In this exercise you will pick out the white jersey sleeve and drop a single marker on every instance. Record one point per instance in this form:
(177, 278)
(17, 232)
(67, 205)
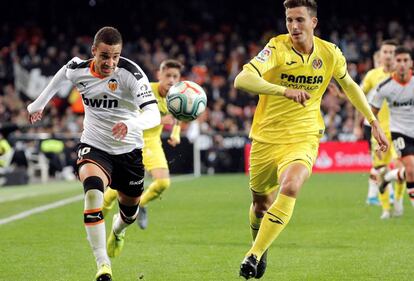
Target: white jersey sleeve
(145, 100)
(48, 93)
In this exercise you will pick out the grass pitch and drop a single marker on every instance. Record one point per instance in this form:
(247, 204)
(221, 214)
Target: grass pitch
(200, 231)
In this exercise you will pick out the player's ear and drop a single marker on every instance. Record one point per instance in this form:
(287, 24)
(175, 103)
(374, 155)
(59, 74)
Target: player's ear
(158, 74)
(314, 22)
(93, 50)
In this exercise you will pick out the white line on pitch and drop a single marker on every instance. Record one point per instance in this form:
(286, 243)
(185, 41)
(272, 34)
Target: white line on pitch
(64, 202)
(41, 209)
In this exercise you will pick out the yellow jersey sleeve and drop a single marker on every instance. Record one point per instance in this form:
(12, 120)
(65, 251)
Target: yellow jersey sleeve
(265, 60)
(340, 68)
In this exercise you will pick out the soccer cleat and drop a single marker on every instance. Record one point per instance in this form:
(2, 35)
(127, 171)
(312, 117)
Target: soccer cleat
(115, 242)
(373, 201)
(104, 273)
(261, 266)
(248, 267)
(142, 219)
(398, 208)
(385, 215)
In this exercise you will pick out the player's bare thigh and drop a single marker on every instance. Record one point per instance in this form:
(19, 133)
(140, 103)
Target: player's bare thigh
(90, 170)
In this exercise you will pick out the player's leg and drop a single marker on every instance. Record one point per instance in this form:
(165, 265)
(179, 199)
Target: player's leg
(263, 185)
(408, 162)
(128, 179)
(156, 163)
(372, 196)
(400, 186)
(295, 167)
(110, 196)
(128, 211)
(160, 183)
(94, 180)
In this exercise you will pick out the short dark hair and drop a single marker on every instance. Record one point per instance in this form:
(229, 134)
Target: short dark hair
(402, 50)
(169, 63)
(391, 42)
(108, 35)
(310, 4)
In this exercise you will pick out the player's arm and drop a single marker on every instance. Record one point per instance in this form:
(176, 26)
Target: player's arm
(35, 109)
(149, 116)
(249, 80)
(175, 136)
(359, 118)
(358, 99)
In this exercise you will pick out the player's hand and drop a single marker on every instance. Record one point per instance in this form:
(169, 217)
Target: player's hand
(175, 137)
(173, 141)
(34, 117)
(379, 136)
(119, 130)
(298, 96)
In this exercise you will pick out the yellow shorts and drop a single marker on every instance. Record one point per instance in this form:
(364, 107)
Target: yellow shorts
(153, 155)
(267, 162)
(386, 157)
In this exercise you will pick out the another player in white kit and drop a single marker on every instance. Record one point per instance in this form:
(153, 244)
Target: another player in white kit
(113, 90)
(398, 91)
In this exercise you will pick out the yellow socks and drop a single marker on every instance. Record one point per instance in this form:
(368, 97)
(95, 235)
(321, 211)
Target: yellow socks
(254, 222)
(399, 188)
(385, 199)
(273, 222)
(154, 191)
(109, 200)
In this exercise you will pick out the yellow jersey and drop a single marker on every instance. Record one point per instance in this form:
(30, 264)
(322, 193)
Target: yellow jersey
(372, 79)
(281, 120)
(155, 133)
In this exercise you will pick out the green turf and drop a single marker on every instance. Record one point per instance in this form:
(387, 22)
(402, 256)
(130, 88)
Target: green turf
(199, 231)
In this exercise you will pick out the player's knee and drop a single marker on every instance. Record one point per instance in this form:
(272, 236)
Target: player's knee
(93, 182)
(128, 213)
(163, 184)
(291, 187)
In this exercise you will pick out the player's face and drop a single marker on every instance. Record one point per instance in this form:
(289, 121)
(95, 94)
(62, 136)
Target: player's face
(387, 54)
(167, 78)
(403, 64)
(300, 25)
(106, 58)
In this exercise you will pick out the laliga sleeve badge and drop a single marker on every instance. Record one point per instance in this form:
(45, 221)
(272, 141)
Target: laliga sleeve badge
(264, 55)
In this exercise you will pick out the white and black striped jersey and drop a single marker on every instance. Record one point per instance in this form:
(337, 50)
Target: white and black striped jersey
(400, 99)
(107, 101)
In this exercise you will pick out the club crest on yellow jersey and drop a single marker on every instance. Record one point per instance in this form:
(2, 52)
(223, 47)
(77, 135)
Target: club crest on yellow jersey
(317, 63)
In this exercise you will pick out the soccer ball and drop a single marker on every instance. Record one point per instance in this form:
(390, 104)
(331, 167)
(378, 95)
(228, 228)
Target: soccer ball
(186, 100)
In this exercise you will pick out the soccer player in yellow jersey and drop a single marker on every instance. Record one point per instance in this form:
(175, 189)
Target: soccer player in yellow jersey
(380, 161)
(154, 158)
(290, 76)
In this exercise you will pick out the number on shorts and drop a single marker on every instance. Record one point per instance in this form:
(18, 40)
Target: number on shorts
(83, 151)
(399, 145)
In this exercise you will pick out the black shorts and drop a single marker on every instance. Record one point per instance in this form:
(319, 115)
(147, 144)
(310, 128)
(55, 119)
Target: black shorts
(125, 171)
(404, 145)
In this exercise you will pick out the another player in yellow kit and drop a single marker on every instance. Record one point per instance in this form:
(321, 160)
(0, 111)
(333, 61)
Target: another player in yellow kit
(290, 75)
(154, 158)
(380, 161)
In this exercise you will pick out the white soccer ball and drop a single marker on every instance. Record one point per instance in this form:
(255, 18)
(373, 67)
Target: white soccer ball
(186, 100)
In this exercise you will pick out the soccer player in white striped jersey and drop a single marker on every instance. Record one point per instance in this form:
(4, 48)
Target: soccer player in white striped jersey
(398, 92)
(113, 88)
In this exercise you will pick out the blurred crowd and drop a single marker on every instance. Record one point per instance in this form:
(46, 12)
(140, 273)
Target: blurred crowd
(212, 58)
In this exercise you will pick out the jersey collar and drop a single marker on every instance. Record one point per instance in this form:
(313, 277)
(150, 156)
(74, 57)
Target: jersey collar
(92, 70)
(402, 83)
